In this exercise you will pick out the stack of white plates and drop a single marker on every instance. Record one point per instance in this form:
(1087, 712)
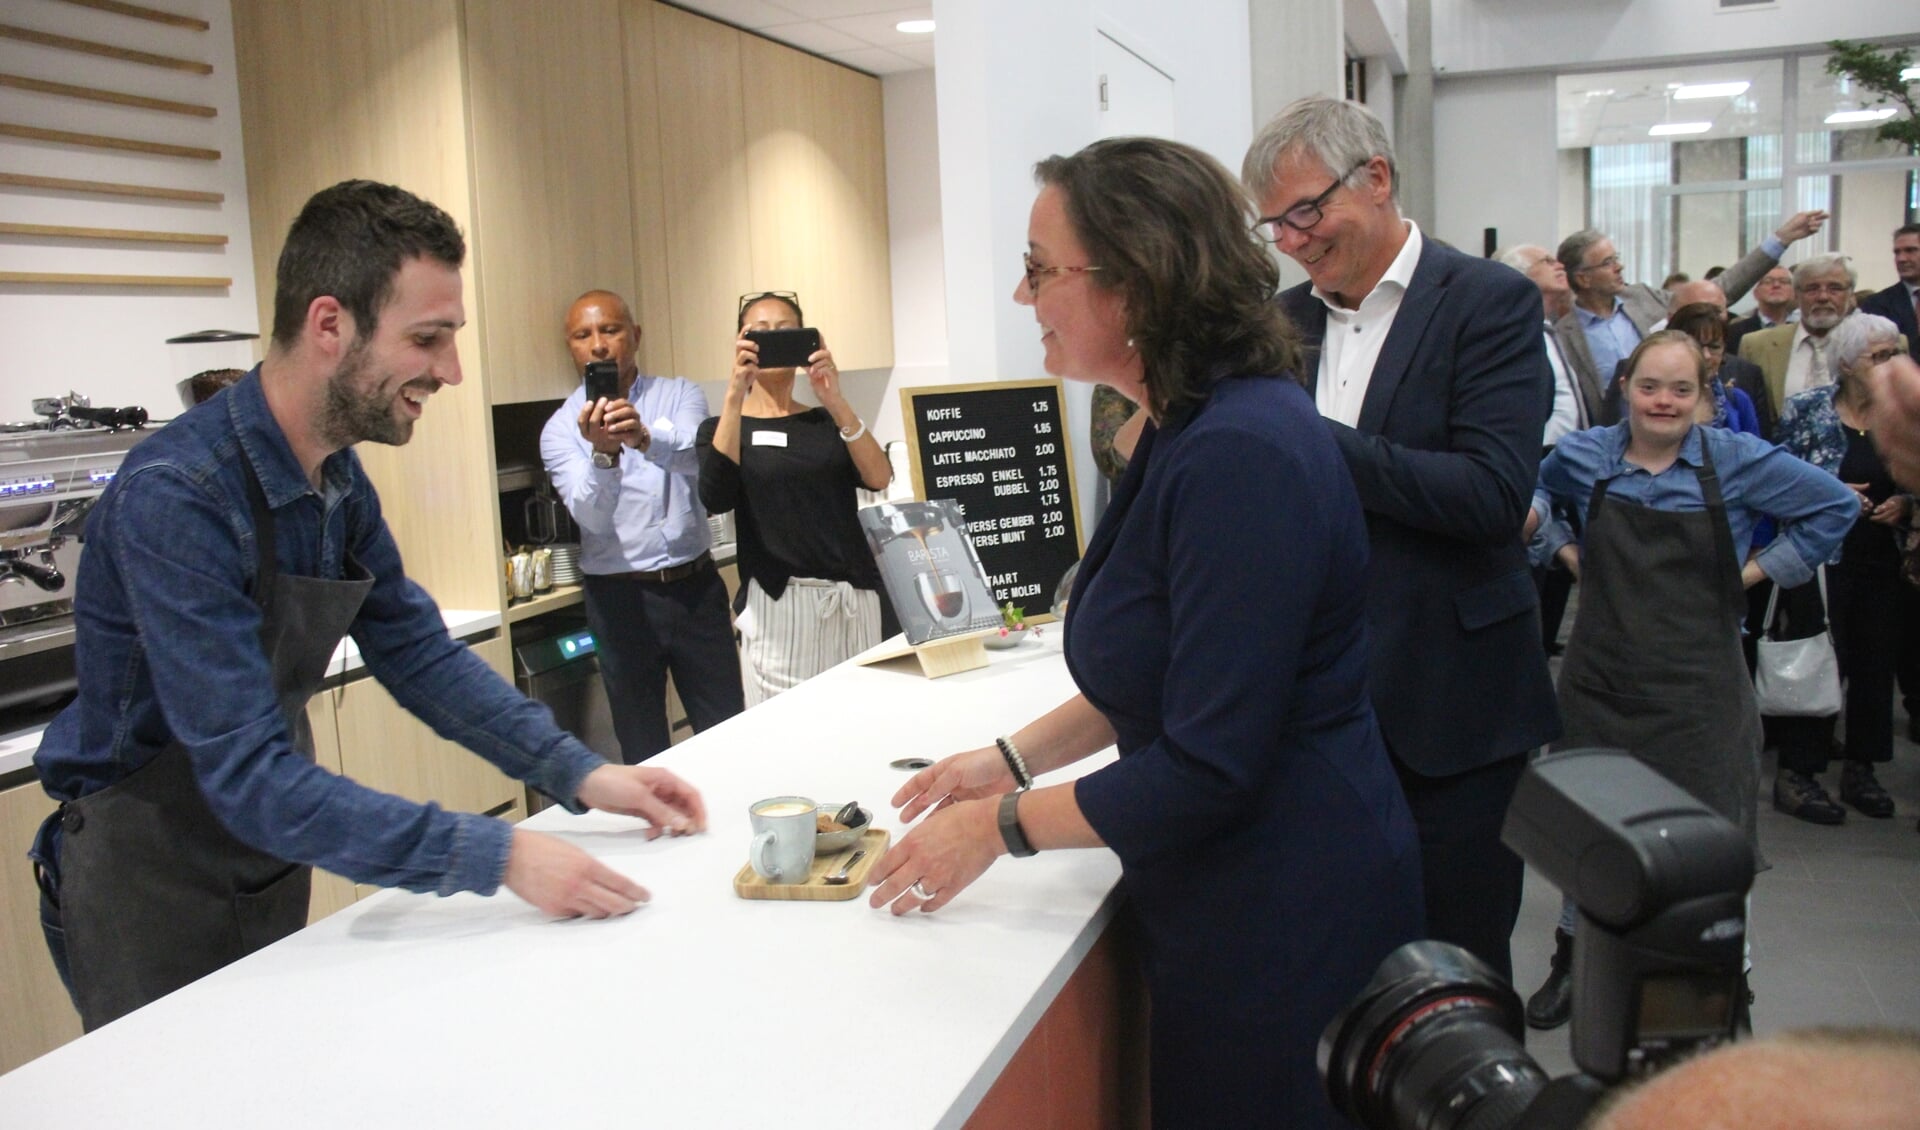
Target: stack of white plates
(566, 563)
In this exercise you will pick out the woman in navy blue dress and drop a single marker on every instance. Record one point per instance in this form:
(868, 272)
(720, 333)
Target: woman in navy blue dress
(1217, 636)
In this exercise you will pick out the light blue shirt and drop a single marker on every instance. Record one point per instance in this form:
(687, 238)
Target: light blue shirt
(643, 514)
(1610, 339)
(1757, 480)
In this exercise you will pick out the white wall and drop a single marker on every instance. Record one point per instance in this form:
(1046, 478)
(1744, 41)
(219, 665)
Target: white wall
(109, 343)
(918, 256)
(1495, 162)
(1016, 81)
(1497, 35)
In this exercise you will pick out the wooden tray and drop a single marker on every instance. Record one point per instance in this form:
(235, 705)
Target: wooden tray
(748, 885)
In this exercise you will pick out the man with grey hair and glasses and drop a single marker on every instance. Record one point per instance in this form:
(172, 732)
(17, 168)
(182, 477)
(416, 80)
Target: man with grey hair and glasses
(1429, 368)
(1793, 358)
(1610, 316)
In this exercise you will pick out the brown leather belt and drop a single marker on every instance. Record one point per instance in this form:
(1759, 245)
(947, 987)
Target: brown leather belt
(668, 575)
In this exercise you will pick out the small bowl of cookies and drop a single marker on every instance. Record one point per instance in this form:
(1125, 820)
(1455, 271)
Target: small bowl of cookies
(830, 835)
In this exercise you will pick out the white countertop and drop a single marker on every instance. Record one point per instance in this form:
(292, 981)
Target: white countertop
(17, 748)
(701, 1009)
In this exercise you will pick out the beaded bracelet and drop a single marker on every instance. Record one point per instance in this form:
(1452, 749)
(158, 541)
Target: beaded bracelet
(1015, 763)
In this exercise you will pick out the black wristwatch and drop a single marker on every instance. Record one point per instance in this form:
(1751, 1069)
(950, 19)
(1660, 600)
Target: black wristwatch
(604, 461)
(1010, 833)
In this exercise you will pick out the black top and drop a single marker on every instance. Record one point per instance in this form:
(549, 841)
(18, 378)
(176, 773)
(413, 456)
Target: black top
(1869, 543)
(795, 501)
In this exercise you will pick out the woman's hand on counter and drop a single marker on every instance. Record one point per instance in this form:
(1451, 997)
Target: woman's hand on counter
(668, 804)
(938, 859)
(971, 775)
(566, 882)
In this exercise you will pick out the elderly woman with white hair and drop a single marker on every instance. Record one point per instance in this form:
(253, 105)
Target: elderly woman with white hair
(1868, 605)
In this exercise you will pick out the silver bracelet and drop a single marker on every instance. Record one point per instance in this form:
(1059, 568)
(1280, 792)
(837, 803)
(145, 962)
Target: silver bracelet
(857, 432)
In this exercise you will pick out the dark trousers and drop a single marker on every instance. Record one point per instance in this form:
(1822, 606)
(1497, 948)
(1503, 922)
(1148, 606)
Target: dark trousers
(1472, 879)
(1553, 587)
(641, 631)
(1870, 607)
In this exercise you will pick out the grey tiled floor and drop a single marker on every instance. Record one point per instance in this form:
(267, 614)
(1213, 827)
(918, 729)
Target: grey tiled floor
(1836, 921)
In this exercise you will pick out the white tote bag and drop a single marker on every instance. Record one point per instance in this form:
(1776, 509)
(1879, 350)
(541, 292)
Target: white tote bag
(1797, 678)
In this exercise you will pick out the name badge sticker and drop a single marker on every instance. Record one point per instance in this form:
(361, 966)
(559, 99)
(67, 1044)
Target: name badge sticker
(767, 437)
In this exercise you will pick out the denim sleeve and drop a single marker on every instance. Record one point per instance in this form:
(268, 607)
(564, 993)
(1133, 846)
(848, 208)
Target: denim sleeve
(1813, 508)
(590, 494)
(184, 563)
(440, 681)
(673, 448)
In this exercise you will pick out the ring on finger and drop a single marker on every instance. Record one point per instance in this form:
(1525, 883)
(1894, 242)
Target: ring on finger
(922, 893)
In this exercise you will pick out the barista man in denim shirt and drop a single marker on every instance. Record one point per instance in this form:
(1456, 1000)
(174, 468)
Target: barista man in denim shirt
(231, 553)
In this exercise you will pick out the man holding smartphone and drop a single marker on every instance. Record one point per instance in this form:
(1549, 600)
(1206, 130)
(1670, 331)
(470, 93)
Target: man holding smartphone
(620, 454)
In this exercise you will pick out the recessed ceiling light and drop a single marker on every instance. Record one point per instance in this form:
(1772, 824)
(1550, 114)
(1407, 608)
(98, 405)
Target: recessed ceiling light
(1711, 90)
(1668, 129)
(914, 27)
(1851, 117)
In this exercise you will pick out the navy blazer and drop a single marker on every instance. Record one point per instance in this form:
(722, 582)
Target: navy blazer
(1895, 305)
(1445, 458)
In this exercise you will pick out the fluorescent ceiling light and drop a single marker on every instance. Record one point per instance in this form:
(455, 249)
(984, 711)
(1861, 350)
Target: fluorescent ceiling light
(1911, 74)
(1711, 90)
(1668, 129)
(1852, 117)
(914, 27)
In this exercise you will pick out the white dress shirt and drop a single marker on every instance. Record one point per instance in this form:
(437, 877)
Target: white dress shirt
(1801, 374)
(1569, 409)
(1354, 337)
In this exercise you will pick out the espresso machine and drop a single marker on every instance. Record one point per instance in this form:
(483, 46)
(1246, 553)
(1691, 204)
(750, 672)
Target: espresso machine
(52, 470)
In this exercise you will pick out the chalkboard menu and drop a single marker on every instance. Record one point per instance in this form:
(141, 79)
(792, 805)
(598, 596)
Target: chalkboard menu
(1000, 451)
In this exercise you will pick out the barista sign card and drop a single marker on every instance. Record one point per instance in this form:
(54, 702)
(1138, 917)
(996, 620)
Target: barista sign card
(933, 576)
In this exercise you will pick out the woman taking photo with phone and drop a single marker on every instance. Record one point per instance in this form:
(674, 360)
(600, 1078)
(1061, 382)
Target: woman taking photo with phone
(1653, 665)
(809, 589)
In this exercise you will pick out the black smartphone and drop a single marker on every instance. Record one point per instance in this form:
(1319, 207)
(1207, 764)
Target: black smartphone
(785, 349)
(603, 380)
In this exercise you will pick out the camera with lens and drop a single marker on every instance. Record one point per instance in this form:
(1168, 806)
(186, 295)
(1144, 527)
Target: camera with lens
(1435, 1039)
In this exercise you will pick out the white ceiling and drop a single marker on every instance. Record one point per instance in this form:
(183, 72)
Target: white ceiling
(859, 33)
(1619, 107)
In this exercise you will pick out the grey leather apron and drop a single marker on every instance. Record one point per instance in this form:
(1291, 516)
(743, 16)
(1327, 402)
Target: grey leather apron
(1653, 665)
(154, 892)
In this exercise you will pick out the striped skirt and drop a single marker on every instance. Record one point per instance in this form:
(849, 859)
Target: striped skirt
(813, 626)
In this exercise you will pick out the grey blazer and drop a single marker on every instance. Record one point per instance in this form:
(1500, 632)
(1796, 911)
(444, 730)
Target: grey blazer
(1646, 306)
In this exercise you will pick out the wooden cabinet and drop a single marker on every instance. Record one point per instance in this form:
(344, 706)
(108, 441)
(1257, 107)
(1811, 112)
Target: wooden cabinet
(361, 732)
(546, 93)
(36, 1015)
(774, 170)
(703, 167)
(819, 221)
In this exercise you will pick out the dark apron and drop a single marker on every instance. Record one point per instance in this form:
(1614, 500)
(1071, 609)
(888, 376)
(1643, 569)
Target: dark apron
(1653, 665)
(153, 892)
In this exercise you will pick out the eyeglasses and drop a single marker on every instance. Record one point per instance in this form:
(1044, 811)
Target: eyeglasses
(1882, 356)
(1609, 261)
(1302, 217)
(1034, 273)
(786, 296)
(1824, 288)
